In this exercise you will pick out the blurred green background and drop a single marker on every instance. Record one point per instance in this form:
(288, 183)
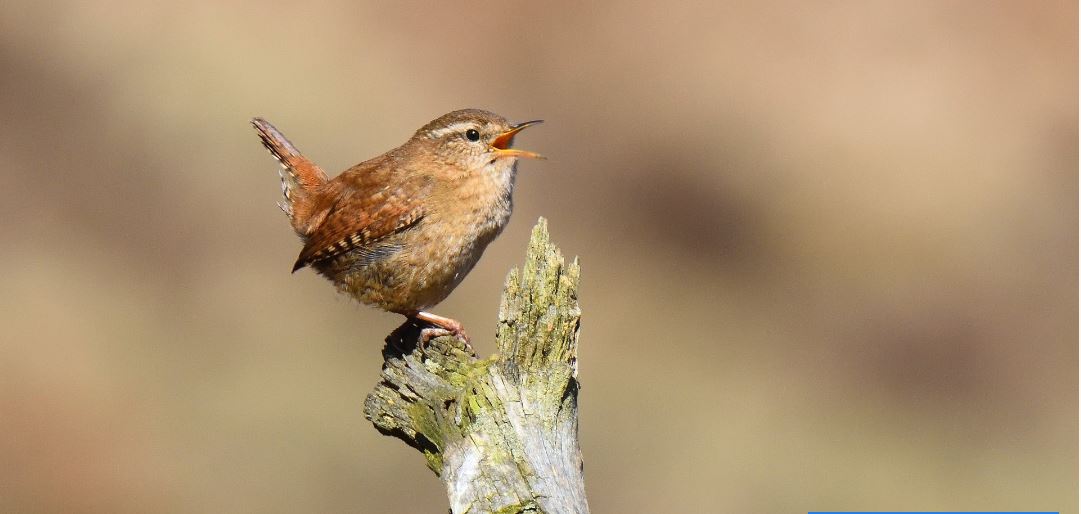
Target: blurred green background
(829, 248)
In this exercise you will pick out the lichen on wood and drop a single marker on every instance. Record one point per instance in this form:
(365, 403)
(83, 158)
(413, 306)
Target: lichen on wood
(501, 432)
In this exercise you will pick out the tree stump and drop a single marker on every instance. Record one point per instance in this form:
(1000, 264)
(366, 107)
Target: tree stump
(502, 432)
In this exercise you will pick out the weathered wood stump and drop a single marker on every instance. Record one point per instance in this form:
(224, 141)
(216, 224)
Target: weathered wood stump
(501, 432)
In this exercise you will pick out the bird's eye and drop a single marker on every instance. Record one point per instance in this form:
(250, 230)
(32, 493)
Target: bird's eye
(472, 135)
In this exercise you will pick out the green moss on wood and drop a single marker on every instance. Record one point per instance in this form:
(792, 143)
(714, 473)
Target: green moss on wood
(529, 507)
(437, 398)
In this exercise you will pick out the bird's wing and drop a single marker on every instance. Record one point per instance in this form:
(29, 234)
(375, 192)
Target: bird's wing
(363, 214)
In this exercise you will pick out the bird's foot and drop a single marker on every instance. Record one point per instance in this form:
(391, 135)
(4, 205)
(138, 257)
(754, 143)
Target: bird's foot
(443, 327)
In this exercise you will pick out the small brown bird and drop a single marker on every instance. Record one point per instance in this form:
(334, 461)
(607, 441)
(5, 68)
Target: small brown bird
(400, 231)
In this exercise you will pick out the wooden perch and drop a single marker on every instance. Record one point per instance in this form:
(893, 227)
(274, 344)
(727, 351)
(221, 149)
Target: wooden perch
(502, 432)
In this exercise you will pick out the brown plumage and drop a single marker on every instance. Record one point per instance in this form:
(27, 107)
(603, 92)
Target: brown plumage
(401, 230)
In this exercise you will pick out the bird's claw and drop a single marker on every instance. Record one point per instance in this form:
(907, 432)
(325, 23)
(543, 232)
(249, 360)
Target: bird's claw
(427, 334)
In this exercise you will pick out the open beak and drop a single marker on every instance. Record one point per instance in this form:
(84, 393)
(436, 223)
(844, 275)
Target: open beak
(501, 144)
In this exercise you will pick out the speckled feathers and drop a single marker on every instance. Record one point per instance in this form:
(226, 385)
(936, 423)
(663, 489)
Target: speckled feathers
(401, 230)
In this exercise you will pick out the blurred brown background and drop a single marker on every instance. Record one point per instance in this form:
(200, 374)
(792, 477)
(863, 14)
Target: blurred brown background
(829, 248)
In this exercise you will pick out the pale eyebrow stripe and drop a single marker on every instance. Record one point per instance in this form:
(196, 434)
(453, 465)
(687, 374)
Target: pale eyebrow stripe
(457, 127)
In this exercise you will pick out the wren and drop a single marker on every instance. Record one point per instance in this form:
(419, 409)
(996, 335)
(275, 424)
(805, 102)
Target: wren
(400, 231)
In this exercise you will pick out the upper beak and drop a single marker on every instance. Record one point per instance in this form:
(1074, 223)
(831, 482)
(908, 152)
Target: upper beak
(502, 142)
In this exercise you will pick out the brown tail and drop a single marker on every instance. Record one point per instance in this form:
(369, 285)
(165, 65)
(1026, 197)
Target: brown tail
(300, 176)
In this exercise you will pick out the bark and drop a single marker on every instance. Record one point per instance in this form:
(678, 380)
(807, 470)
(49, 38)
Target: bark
(502, 432)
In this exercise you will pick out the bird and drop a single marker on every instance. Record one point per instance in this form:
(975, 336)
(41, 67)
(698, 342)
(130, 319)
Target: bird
(401, 230)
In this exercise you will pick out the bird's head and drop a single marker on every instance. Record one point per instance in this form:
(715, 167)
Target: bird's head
(475, 140)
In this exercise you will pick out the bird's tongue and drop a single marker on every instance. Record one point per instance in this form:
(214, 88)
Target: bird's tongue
(504, 141)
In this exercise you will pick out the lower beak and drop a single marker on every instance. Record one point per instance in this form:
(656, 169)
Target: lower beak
(501, 144)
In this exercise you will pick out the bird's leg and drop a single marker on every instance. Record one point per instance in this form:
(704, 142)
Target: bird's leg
(452, 327)
(443, 327)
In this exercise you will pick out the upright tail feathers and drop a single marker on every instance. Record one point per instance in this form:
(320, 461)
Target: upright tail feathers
(300, 176)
